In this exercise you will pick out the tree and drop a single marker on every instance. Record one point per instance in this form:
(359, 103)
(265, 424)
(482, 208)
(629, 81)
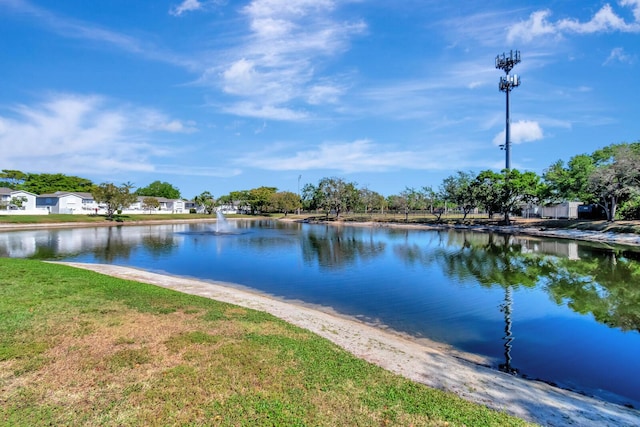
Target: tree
(458, 189)
(412, 200)
(260, 198)
(571, 182)
(616, 178)
(337, 195)
(206, 202)
(50, 183)
(285, 202)
(311, 197)
(397, 202)
(150, 203)
(12, 179)
(369, 200)
(114, 197)
(159, 189)
(504, 192)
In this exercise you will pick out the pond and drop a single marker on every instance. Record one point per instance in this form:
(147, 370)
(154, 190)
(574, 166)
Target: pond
(564, 312)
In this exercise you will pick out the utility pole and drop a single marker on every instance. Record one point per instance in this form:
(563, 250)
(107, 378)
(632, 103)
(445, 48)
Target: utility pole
(507, 83)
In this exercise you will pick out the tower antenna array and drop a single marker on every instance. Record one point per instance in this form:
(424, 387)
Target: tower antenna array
(507, 83)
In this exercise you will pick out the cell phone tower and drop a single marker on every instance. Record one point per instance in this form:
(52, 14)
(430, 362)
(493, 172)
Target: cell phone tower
(507, 83)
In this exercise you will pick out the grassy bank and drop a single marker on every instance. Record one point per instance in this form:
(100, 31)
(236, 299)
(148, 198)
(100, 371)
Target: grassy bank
(79, 348)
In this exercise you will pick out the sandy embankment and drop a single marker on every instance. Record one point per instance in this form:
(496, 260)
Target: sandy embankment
(428, 363)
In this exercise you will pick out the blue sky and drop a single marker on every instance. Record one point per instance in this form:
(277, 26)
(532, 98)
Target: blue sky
(225, 95)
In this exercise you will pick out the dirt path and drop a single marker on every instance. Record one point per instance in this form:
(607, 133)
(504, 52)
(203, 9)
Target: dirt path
(429, 363)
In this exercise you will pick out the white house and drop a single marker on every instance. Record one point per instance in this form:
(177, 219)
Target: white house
(166, 206)
(17, 202)
(63, 202)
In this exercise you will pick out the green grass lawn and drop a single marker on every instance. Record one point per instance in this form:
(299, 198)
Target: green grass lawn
(79, 348)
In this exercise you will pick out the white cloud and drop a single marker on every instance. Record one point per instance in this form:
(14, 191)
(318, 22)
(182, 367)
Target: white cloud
(536, 26)
(276, 65)
(194, 5)
(185, 6)
(249, 109)
(618, 55)
(74, 134)
(358, 156)
(521, 131)
(604, 20)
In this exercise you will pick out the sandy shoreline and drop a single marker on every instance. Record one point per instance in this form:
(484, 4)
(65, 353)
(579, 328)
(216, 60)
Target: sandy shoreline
(428, 363)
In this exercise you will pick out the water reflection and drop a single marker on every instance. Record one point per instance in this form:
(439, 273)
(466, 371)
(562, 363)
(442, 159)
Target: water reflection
(338, 247)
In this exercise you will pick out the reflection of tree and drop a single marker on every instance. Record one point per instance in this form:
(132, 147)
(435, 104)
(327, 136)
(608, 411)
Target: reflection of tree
(339, 247)
(119, 243)
(162, 244)
(602, 282)
(494, 260)
(115, 246)
(605, 285)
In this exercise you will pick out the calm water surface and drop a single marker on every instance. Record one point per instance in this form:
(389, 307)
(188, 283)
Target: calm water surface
(560, 311)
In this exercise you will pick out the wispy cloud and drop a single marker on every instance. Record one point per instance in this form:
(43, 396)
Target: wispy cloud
(275, 68)
(77, 29)
(619, 55)
(194, 5)
(604, 20)
(73, 134)
(358, 156)
(185, 6)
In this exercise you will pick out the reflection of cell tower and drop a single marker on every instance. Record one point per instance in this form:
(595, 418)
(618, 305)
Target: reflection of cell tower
(508, 337)
(507, 83)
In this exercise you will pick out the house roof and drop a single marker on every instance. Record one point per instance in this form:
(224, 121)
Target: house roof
(59, 194)
(9, 191)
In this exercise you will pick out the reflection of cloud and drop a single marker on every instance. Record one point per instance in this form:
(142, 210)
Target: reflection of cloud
(521, 131)
(604, 20)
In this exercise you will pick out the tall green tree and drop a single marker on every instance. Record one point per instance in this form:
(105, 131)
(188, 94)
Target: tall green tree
(616, 179)
(205, 201)
(336, 195)
(505, 192)
(369, 200)
(285, 202)
(13, 179)
(458, 190)
(159, 189)
(114, 197)
(50, 183)
(570, 182)
(260, 198)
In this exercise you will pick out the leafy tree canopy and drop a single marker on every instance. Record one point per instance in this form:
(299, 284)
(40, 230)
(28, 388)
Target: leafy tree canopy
(44, 183)
(113, 197)
(159, 189)
(12, 178)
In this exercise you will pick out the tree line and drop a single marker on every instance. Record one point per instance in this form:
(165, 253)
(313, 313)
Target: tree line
(608, 178)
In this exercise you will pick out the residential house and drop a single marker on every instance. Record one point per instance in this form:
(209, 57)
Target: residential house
(166, 206)
(17, 200)
(64, 202)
